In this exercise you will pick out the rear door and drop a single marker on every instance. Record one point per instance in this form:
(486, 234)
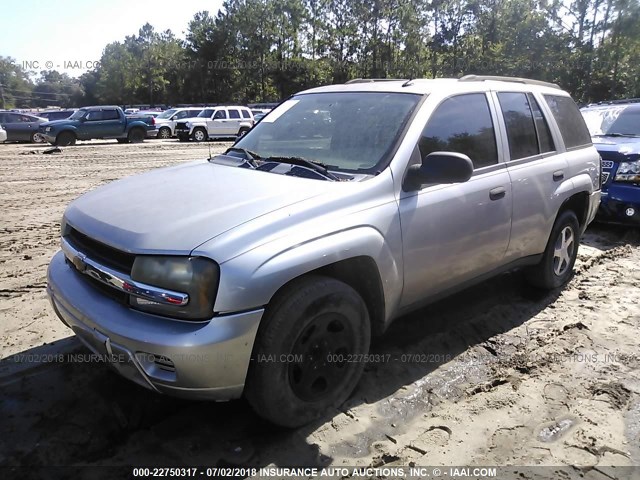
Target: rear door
(234, 121)
(536, 169)
(454, 233)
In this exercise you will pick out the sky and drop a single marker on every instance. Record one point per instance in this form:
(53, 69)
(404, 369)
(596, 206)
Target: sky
(69, 35)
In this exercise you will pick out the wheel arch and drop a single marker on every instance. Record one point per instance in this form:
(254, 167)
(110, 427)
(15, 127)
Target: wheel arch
(360, 257)
(579, 204)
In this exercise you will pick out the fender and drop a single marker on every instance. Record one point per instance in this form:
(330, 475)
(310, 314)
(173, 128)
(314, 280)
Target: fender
(275, 269)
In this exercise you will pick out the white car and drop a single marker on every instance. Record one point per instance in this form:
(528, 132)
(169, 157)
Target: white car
(216, 122)
(3, 134)
(166, 121)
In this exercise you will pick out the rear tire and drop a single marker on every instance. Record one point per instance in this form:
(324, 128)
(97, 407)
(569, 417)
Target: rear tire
(199, 135)
(301, 368)
(242, 132)
(37, 138)
(122, 140)
(65, 139)
(136, 135)
(556, 267)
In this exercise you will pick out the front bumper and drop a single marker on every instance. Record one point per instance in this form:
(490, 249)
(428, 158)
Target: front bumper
(202, 360)
(48, 137)
(617, 200)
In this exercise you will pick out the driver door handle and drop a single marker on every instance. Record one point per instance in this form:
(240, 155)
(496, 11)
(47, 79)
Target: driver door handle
(497, 193)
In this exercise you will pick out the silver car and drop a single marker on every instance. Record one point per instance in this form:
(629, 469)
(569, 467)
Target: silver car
(265, 271)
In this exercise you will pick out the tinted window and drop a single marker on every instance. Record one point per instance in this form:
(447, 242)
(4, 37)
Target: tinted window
(110, 115)
(545, 142)
(94, 116)
(246, 114)
(206, 113)
(234, 114)
(220, 114)
(628, 122)
(570, 122)
(12, 117)
(182, 114)
(462, 124)
(194, 113)
(521, 131)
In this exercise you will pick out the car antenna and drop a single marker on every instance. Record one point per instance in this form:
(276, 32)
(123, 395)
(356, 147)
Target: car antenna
(408, 82)
(209, 145)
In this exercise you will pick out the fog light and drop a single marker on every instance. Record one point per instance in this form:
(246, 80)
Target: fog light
(630, 212)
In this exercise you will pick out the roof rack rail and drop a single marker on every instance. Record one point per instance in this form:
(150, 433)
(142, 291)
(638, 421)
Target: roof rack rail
(370, 80)
(528, 81)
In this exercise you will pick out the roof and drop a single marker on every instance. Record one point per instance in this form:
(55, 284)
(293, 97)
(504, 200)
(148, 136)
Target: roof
(469, 83)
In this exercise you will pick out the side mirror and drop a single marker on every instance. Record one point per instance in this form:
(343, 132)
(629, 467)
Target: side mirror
(439, 167)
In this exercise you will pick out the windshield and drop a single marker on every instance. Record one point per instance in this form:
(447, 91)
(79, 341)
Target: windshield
(345, 131)
(78, 114)
(167, 113)
(206, 113)
(614, 119)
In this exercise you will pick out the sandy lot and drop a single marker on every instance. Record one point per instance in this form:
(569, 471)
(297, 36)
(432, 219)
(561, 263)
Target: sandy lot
(497, 375)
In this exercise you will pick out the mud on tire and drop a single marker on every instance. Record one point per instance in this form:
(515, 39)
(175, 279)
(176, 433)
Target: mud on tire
(299, 369)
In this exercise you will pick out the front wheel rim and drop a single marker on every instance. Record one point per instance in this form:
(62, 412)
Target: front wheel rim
(319, 357)
(563, 251)
(199, 136)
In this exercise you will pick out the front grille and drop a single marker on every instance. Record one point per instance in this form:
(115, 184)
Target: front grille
(607, 164)
(101, 253)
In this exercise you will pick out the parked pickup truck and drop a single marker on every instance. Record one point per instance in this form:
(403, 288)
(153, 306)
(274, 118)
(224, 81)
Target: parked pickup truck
(265, 271)
(98, 122)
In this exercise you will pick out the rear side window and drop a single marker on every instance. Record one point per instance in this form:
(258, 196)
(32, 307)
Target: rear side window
(234, 114)
(110, 115)
(462, 124)
(569, 120)
(521, 129)
(246, 114)
(545, 142)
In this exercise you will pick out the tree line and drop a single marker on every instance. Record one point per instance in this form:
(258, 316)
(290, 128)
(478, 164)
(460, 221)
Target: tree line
(265, 50)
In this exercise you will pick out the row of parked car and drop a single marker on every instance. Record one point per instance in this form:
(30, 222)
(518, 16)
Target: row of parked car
(64, 127)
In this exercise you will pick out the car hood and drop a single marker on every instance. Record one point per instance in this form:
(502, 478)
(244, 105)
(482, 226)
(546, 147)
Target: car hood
(617, 148)
(53, 123)
(173, 210)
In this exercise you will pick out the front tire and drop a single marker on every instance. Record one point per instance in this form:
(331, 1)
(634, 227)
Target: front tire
(301, 366)
(199, 134)
(556, 267)
(65, 139)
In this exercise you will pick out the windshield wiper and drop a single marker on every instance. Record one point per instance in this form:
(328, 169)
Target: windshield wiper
(303, 162)
(249, 155)
(618, 135)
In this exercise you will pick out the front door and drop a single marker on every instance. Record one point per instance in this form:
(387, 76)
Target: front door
(454, 233)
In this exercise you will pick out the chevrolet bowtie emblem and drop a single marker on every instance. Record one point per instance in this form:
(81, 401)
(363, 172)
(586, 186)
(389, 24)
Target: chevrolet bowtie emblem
(79, 262)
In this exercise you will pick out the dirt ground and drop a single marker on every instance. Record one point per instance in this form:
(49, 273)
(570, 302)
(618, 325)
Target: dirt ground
(499, 374)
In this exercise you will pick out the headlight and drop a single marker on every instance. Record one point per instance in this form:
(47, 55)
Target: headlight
(628, 172)
(48, 129)
(196, 276)
(188, 125)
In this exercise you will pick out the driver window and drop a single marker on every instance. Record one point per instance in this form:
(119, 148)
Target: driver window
(94, 116)
(462, 124)
(220, 115)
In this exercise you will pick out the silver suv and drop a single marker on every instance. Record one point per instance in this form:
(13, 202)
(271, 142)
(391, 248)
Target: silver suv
(215, 122)
(266, 271)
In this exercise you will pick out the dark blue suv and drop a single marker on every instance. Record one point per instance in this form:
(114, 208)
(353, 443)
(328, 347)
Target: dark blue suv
(615, 130)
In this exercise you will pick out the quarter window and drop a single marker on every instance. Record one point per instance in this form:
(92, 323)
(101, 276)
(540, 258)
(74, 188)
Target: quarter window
(570, 122)
(462, 124)
(246, 114)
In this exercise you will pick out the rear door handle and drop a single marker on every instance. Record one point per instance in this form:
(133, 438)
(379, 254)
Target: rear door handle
(497, 193)
(558, 175)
